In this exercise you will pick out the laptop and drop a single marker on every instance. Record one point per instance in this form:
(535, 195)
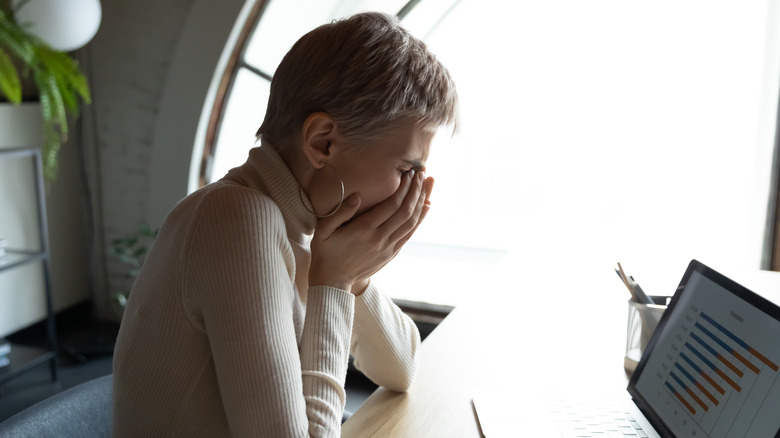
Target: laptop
(709, 370)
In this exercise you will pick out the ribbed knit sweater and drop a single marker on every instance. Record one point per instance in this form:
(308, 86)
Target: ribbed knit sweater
(222, 336)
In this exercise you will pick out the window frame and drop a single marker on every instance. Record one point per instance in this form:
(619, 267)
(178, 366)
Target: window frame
(225, 87)
(771, 259)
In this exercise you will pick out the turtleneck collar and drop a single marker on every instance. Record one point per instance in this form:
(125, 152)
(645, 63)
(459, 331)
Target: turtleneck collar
(266, 171)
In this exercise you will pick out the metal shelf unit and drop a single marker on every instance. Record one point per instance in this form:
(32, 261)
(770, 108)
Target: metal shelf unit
(23, 357)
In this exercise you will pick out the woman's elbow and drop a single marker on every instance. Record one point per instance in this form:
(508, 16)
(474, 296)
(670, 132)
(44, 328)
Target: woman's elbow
(404, 379)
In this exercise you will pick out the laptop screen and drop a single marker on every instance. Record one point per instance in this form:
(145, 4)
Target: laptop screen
(711, 367)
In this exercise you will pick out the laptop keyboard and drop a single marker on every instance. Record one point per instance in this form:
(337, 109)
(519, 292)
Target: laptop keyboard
(602, 419)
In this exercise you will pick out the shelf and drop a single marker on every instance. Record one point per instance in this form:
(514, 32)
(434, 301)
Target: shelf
(19, 152)
(14, 258)
(24, 358)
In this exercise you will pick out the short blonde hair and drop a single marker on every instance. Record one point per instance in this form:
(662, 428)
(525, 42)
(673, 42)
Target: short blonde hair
(368, 73)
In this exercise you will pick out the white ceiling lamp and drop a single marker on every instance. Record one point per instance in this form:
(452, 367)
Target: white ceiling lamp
(65, 25)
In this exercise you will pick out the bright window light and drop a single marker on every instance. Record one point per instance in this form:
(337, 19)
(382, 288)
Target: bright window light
(245, 106)
(594, 132)
(282, 23)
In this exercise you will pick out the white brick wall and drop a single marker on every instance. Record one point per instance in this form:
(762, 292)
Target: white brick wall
(129, 60)
(150, 64)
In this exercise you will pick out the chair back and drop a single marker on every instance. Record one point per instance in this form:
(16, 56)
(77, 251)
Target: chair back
(84, 411)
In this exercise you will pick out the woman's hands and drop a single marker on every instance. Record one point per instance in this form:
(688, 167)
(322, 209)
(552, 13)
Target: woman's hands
(344, 252)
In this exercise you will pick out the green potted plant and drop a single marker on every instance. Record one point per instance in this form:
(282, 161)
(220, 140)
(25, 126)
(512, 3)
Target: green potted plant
(29, 65)
(132, 251)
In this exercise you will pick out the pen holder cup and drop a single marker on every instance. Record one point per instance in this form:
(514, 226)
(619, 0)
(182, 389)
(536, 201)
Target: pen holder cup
(642, 321)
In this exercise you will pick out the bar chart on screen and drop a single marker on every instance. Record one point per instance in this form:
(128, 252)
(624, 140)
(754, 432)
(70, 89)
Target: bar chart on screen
(714, 381)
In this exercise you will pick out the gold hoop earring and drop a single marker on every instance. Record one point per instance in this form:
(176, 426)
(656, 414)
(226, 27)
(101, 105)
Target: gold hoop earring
(311, 209)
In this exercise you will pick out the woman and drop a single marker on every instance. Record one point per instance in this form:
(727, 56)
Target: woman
(258, 287)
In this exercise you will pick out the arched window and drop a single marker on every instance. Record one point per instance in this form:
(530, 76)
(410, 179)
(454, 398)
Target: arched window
(591, 132)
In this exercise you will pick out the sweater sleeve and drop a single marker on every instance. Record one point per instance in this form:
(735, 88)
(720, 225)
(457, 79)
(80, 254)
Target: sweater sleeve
(240, 286)
(384, 341)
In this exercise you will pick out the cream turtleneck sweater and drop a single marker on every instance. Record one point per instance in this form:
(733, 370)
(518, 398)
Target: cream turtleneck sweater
(222, 336)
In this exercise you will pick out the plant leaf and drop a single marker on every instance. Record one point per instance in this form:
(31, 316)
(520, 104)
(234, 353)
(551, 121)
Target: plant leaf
(45, 107)
(67, 71)
(71, 103)
(57, 75)
(16, 41)
(58, 106)
(52, 110)
(129, 260)
(10, 84)
(51, 146)
(139, 252)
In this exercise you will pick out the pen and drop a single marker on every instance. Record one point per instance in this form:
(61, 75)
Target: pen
(637, 294)
(626, 283)
(617, 271)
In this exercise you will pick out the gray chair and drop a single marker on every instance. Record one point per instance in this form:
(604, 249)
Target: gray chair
(83, 411)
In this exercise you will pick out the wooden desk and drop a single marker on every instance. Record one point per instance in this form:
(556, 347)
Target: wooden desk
(438, 388)
(529, 337)
(512, 342)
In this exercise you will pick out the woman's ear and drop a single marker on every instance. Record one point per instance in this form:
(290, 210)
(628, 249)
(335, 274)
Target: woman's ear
(319, 131)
